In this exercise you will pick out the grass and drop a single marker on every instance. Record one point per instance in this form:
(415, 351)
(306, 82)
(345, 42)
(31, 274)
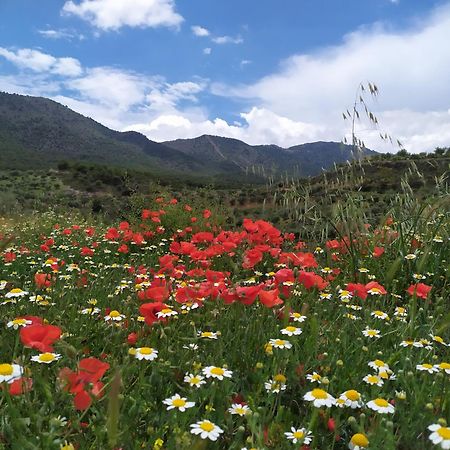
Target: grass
(249, 289)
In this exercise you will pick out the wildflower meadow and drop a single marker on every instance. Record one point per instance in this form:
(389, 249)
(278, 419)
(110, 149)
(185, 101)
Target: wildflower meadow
(173, 331)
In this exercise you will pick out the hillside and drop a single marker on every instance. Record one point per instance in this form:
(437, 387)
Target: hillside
(36, 132)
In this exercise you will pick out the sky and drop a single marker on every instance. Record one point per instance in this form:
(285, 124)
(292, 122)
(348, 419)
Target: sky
(263, 71)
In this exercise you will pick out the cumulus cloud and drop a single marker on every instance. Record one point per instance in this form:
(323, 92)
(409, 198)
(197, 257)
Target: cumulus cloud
(115, 14)
(207, 51)
(200, 31)
(38, 61)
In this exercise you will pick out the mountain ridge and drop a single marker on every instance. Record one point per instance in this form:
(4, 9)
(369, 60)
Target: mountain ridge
(37, 131)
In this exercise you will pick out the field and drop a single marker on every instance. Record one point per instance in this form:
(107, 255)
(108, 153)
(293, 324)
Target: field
(173, 331)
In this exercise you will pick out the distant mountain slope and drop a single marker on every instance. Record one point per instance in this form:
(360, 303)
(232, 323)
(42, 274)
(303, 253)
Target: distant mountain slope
(36, 132)
(304, 160)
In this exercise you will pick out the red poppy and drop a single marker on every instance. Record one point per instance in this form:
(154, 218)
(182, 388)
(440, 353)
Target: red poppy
(40, 336)
(149, 311)
(42, 280)
(270, 298)
(420, 290)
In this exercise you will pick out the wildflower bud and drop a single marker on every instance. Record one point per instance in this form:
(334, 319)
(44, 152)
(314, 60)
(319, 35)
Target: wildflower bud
(325, 381)
(241, 429)
(435, 357)
(259, 365)
(339, 362)
(429, 406)
(380, 353)
(439, 375)
(442, 422)
(410, 374)
(365, 349)
(338, 340)
(351, 420)
(390, 424)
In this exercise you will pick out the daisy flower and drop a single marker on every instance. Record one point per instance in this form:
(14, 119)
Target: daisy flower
(344, 294)
(410, 256)
(381, 406)
(10, 372)
(440, 435)
(276, 385)
(114, 316)
(280, 343)
(239, 409)
(373, 380)
(400, 311)
(379, 315)
(378, 365)
(15, 293)
(352, 399)
(427, 368)
(166, 312)
(299, 435)
(178, 402)
(319, 397)
(189, 306)
(217, 372)
(147, 353)
(46, 358)
(191, 346)
(208, 334)
(438, 339)
(291, 331)
(206, 429)
(90, 311)
(409, 343)
(358, 442)
(314, 377)
(16, 323)
(194, 380)
(443, 366)
(371, 333)
(297, 317)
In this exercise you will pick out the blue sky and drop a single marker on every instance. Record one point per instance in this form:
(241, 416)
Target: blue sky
(262, 71)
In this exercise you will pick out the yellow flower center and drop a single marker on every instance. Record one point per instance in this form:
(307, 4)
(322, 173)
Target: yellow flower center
(427, 366)
(352, 395)
(114, 313)
(146, 351)
(16, 291)
(6, 369)
(444, 366)
(360, 440)
(371, 332)
(381, 402)
(178, 402)
(166, 310)
(379, 363)
(373, 379)
(299, 434)
(438, 339)
(217, 371)
(319, 393)
(194, 380)
(291, 329)
(280, 378)
(19, 321)
(207, 426)
(46, 357)
(279, 342)
(444, 432)
(207, 334)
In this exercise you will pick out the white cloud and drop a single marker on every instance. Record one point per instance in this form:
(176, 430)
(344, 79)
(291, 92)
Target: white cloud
(227, 40)
(200, 31)
(410, 67)
(114, 14)
(207, 51)
(61, 34)
(38, 61)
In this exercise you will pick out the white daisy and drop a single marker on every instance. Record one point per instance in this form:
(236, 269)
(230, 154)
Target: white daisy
(206, 429)
(46, 358)
(371, 333)
(381, 406)
(114, 316)
(147, 353)
(351, 398)
(427, 368)
(239, 409)
(358, 442)
(10, 372)
(194, 380)
(280, 343)
(319, 397)
(440, 435)
(299, 435)
(16, 323)
(178, 402)
(217, 372)
(291, 331)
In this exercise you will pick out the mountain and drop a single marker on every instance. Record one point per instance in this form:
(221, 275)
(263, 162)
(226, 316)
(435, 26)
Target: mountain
(303, 160)
(36, 132)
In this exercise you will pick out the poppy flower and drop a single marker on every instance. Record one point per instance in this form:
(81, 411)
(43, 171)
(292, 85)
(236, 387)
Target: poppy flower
(42, 280)
(420, 290)
(40, 336)
(270, 298)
